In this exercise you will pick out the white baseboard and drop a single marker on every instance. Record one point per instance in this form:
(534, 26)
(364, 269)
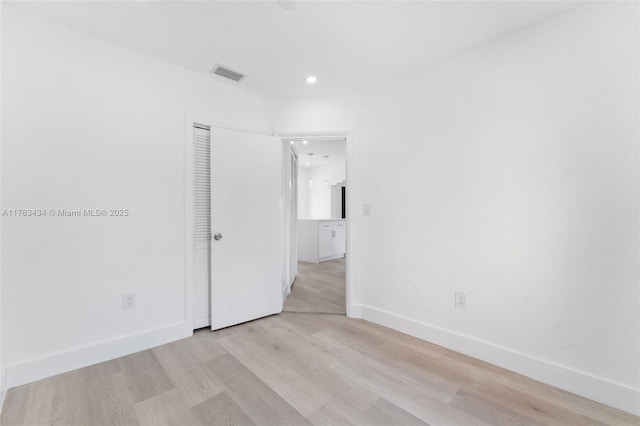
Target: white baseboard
(354, 311)
(3, 387)
(201, 322)
(61, 362)
(610, 393)
(286, 290)
(334, 257)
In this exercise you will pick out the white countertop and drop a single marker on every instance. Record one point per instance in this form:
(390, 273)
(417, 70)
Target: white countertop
(325, 220)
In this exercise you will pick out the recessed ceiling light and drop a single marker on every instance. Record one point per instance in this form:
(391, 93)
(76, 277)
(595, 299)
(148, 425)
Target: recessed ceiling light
(312, 79)
(291, 142)
(306, 163)
(305, 142)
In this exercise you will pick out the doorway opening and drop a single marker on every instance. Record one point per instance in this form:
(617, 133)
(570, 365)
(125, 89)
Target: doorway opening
(317, 224)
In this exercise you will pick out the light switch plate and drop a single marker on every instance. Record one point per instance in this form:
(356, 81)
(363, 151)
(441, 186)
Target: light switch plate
(461, 300)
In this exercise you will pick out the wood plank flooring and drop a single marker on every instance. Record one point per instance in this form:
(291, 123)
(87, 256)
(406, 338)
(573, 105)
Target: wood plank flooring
(299, 369)
(318, 288)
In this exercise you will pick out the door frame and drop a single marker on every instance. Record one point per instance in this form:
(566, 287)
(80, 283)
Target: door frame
(290, 237)
(352, 311)
(189, 198)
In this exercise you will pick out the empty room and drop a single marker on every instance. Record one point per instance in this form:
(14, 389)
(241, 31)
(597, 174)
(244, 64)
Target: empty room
(295, 212)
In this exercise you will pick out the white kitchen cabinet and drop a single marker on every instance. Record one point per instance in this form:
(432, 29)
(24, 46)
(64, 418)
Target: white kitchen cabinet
(320, 240)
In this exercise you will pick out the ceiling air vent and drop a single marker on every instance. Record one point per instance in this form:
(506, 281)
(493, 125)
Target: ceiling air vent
(227, 73)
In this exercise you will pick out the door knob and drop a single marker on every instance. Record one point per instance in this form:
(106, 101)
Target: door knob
(217, 237)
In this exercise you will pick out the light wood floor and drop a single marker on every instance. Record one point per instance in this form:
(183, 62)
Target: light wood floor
(318, 288)
(299, 369)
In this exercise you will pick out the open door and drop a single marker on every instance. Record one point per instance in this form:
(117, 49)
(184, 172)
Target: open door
(246, 251)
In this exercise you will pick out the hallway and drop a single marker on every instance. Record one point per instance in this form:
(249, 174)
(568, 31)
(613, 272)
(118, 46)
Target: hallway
(318, 288)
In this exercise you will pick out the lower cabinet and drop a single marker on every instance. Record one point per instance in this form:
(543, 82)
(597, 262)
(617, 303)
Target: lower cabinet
(320, 240)
(325, 242)
(340, 238)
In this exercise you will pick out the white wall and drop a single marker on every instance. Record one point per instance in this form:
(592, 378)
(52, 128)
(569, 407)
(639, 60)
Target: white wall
(315, 203)
(87, 124)
(2, 381)
(511, 173)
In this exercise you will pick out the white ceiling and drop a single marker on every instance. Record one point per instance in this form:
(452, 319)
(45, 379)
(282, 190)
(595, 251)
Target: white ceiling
(333, 148)
(350, 46)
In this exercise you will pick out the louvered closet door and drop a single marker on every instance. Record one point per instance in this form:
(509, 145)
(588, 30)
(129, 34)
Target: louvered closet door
(246, 220)
(202, 225)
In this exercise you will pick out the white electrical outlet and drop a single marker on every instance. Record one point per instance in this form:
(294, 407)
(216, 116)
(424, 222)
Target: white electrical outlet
(461, 300)
(366, 210)
(128, 301)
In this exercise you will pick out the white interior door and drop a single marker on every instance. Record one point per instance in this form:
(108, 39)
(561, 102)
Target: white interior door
(246, 221)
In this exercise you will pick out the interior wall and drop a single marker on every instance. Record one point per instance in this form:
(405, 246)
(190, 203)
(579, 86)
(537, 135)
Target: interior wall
(91, 125)
(510, 173)
(2, 380)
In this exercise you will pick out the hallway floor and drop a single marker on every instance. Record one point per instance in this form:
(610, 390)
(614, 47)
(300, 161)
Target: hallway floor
(318, 288)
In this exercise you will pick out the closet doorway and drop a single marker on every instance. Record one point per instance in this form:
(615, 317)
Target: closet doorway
(233, 229)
